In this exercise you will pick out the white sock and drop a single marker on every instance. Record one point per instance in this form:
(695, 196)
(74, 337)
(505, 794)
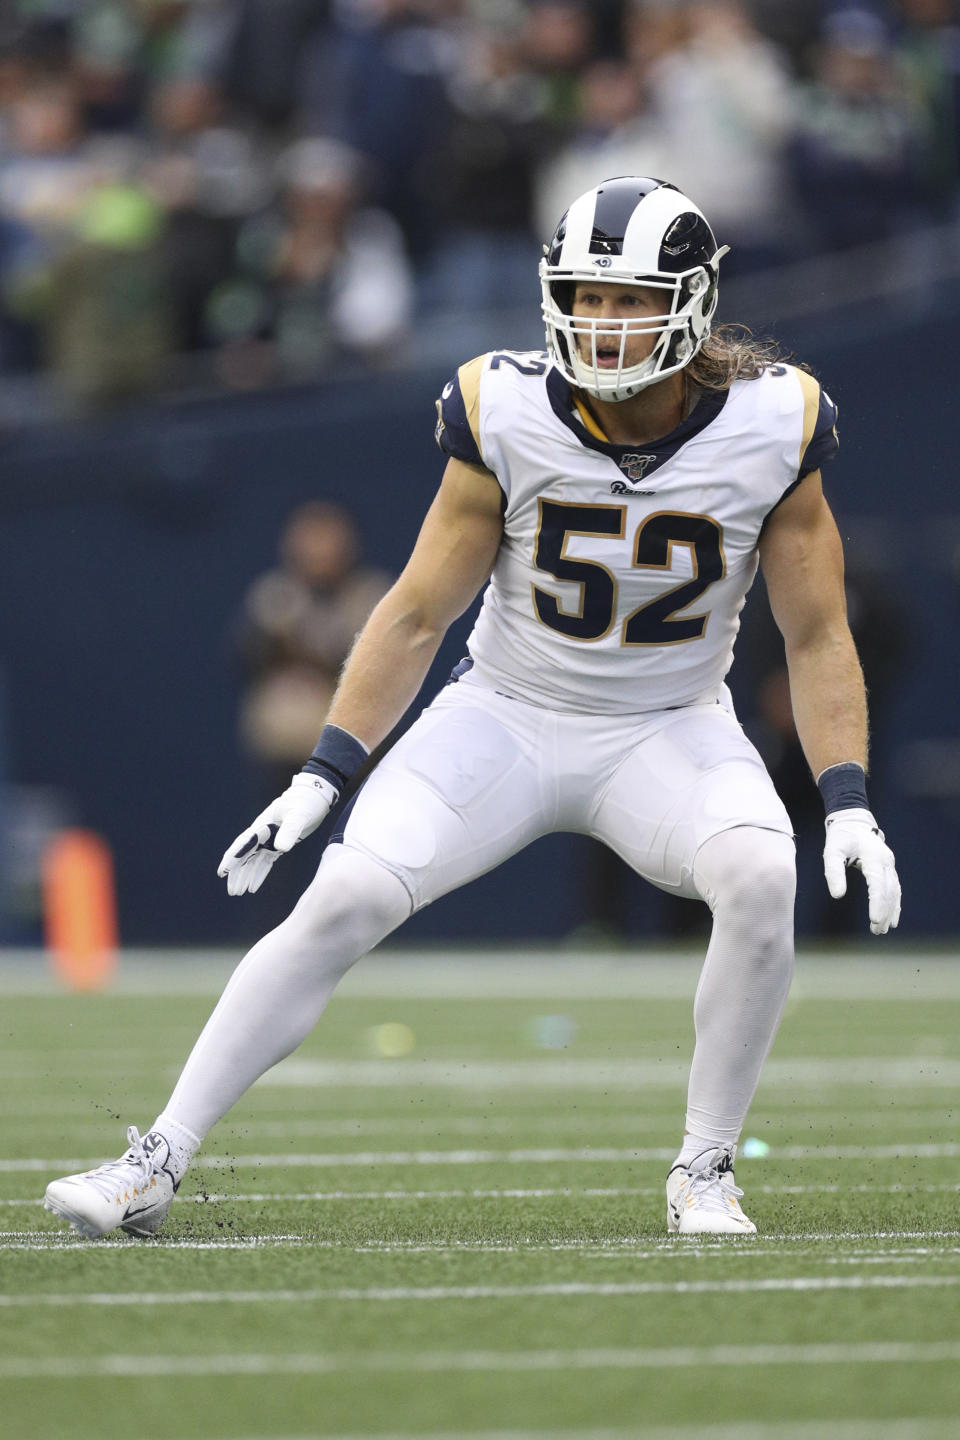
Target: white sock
(181, 1143)
(280, 989)
(694, 1146)
(747, 877)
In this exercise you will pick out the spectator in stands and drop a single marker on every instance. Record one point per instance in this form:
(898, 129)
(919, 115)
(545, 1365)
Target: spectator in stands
(464, 119)
(82, 270)
(297, 624)
(559, 43)
(927, 54)
(794, 28)
(328, 279)
(45, 168)
(653, 30)
(391, 63)
(210, 172)
(21, 262)
(861, 144)
(267, 55)
(618, 134)
(723, 100)
(106, 50)
(481, 173)
(200, 237)
(106, 321)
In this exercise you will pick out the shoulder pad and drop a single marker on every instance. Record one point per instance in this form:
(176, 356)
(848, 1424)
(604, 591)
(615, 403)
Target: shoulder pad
(819, 443)
(458, 413)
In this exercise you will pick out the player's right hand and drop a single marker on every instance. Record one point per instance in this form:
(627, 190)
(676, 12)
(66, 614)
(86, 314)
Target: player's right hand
(288, 819)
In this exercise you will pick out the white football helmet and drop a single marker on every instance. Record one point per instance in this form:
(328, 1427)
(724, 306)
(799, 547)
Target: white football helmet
(630, 230)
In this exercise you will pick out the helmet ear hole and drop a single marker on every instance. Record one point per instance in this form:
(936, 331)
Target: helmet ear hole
(679, 350)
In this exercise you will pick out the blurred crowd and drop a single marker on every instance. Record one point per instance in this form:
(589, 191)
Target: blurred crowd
(247, 192)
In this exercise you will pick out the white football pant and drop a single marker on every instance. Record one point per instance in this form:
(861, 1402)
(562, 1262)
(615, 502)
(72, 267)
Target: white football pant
(681, 795)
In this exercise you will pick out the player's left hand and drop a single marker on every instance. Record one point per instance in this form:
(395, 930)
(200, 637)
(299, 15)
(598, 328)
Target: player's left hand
(854, 838)
(290, 818)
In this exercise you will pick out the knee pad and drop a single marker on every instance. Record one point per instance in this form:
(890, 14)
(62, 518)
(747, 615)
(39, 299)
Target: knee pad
(748, 871)
(352, 900)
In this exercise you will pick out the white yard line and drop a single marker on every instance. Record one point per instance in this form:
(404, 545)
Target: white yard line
(908, 1429)
(367, 1158)
(670, 1248)
(892, 1072)
(265, 1197)
(437, 1120)
(82, 1115)
(136, 1367)
(408, 1294)
(566, 1192)
(555, 1071)
(62, 1240)
(523, 972)
(610, 1248)
(325, 1160)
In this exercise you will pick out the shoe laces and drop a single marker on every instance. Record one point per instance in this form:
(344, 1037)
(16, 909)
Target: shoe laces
(705, 1184)
(117, 1173)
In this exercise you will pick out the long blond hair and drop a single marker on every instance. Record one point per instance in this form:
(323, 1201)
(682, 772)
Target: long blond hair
(733, 352)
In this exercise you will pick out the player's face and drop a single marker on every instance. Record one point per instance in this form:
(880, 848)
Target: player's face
(607, 303)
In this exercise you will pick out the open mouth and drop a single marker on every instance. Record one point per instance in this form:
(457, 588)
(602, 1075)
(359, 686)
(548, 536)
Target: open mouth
(608, 357)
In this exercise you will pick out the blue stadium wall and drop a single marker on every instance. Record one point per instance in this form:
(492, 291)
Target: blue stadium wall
(126, 545)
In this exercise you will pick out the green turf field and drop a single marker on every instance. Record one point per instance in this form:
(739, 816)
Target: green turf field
(465, 1235)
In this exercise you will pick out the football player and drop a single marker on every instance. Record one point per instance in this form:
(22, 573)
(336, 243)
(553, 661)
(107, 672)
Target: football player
(615, 493)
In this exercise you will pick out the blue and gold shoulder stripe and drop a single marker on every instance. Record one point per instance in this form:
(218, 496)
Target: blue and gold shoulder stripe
(458, 414)
(819, 442)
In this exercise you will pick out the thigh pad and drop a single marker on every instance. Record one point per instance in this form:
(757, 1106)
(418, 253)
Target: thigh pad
(454, 797)
(695, 777)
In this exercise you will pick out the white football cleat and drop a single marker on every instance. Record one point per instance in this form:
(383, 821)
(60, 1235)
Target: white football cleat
(702, 1198)
(134, 1192)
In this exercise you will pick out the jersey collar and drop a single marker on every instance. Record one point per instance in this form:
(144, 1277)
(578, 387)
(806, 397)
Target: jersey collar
(566, 407)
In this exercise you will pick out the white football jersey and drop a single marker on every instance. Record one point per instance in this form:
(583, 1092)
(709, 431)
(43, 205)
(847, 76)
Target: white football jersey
(623, 569)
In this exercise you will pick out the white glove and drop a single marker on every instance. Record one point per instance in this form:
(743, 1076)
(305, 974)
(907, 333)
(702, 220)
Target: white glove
(288, 819)
(855, 838)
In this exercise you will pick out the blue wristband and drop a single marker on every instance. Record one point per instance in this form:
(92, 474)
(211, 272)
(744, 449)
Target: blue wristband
(843, 787)
(336, 756)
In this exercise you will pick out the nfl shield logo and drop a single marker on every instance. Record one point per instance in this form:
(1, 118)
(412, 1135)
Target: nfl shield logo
(634, 466)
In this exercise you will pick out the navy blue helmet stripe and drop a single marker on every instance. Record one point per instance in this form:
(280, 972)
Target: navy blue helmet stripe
(616, 202)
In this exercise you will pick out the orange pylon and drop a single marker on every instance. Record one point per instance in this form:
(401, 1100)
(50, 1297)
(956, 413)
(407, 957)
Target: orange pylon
(80, 908)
